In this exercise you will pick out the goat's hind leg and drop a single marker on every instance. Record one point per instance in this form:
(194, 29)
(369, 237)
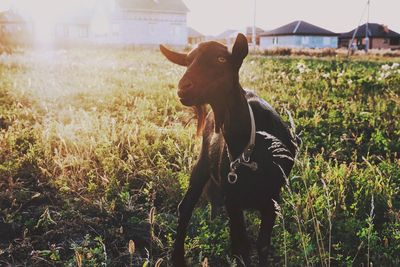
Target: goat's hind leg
(198, 179)
(268, 217)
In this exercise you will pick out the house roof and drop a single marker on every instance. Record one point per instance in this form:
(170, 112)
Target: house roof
(299, 28)
(249, 30)
(374, 30)
(154, 5)
(227, 34)
(193, 33)
(10, 16)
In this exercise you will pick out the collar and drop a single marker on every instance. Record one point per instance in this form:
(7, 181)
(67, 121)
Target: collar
(244, 157)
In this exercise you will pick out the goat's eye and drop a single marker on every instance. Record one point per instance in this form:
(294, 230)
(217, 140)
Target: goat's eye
(221, 59)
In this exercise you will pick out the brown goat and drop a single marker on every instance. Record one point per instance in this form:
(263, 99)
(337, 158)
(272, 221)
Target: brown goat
(247, 149)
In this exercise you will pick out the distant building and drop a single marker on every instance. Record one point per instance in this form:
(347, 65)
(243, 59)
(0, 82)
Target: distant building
(227, 37)
(299, 34)
(74, 28)
(249, 34)
(14, 30)
(137, 22)
(12, 22)
(195, 37)
(150, 22)
(380, 37)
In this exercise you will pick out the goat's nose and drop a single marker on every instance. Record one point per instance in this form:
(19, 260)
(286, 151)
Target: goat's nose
(185, 84)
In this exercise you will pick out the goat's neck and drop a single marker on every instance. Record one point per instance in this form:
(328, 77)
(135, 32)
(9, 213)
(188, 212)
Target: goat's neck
(236, 126)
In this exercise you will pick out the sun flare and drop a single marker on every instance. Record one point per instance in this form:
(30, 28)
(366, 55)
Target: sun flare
(46, 14)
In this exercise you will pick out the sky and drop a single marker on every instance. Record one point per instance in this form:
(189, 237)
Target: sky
(214, 16)
(211, 17)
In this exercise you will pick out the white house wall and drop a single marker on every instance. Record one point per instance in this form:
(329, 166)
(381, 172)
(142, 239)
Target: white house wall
(295, 41)
(129, 27)
(133, 27)
(278, 41)
(72, 31)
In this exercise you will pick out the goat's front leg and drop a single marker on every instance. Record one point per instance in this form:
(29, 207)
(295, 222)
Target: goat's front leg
(268, 217)
(198, 179)
(239, 243)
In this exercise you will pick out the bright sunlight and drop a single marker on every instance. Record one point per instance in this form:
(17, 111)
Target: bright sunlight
(45, 14)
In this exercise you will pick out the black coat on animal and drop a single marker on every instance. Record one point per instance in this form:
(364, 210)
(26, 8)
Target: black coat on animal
(212, 77)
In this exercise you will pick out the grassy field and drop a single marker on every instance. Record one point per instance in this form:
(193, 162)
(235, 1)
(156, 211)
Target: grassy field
(96, 151)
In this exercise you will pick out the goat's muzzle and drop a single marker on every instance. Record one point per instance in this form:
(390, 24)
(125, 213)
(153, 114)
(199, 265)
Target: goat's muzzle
(185, 84)
(185, 92)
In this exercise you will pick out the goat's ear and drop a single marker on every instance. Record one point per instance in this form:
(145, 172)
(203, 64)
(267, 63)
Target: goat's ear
(240, 50)
(175, 57)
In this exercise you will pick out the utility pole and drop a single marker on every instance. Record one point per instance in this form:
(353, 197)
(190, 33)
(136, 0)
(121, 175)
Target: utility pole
(350, 47)
(366, 29)
(254, 26)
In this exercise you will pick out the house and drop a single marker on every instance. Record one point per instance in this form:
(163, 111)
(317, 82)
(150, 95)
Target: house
(379, 35)
(74, 28)
(227, 37)
(299, 34)
(195, 37)
(12, 22)
(127, 22)
(149, 22)
(14, 28)
(249, 34)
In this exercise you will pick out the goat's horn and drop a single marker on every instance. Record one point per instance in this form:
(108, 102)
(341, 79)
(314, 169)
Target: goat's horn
(175, 57)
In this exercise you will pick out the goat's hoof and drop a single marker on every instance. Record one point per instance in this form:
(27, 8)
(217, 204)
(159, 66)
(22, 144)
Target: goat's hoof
(178, 263)
(178, 259)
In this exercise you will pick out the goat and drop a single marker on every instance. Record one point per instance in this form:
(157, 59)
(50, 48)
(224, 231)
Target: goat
(247, 150)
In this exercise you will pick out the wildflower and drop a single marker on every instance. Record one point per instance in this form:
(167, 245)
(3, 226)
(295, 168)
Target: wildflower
(385, 67)
(326, 75)
(384, 75)
(301, 67)
(395, 65)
